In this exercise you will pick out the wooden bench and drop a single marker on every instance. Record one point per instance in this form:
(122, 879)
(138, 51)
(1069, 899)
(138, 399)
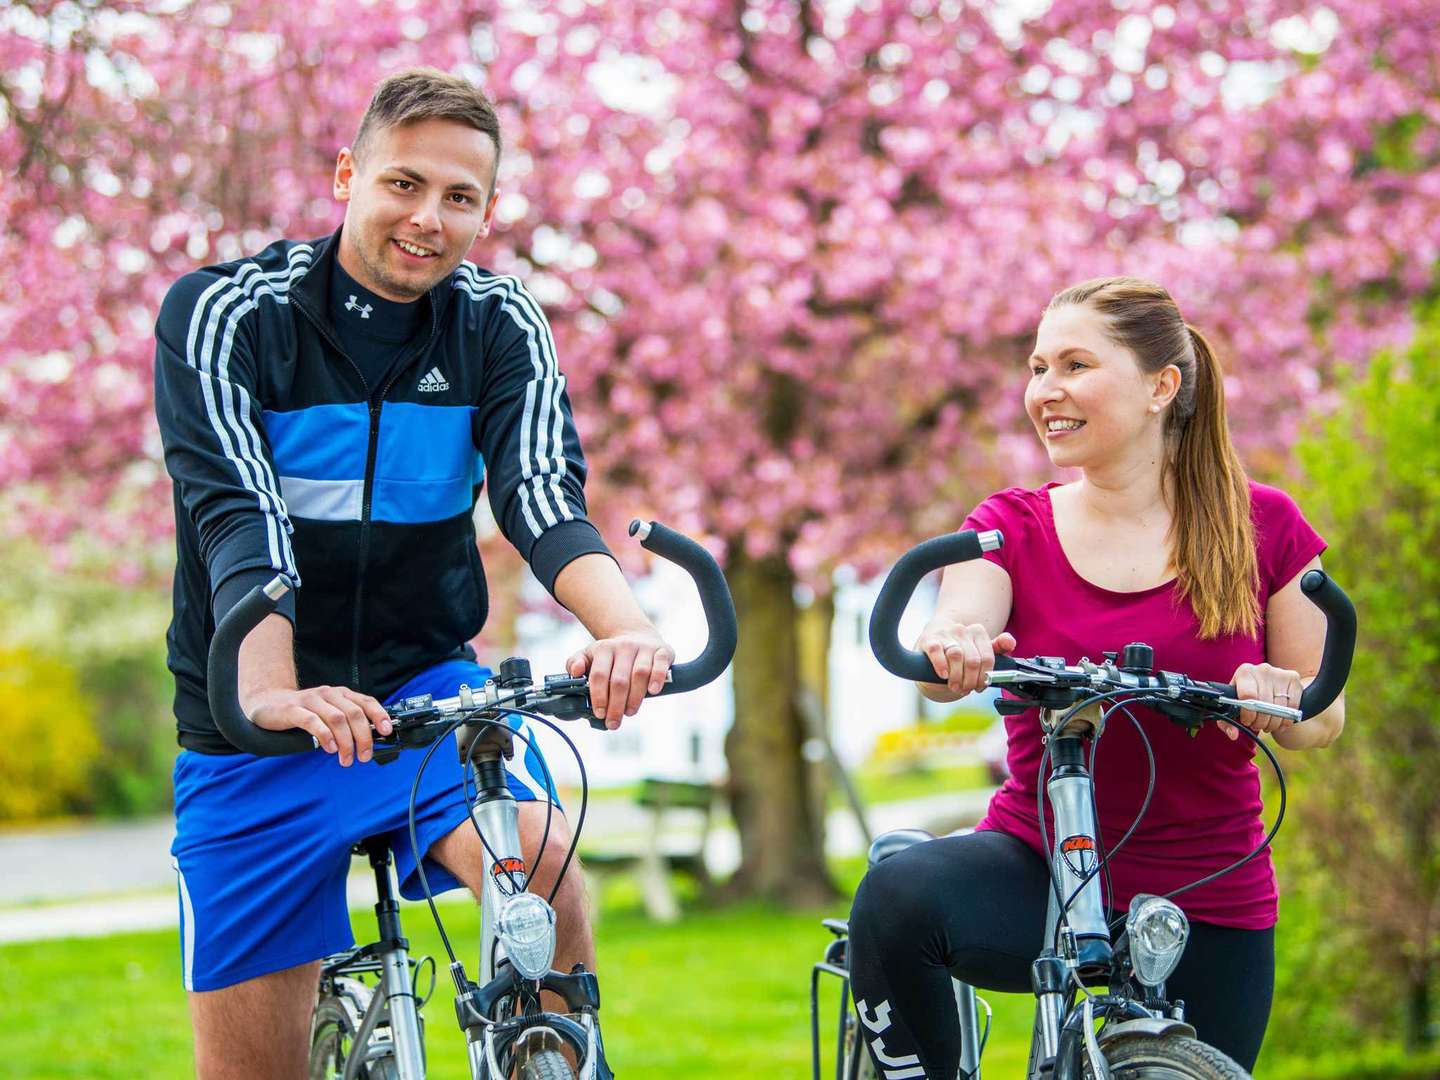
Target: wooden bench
(662, 851)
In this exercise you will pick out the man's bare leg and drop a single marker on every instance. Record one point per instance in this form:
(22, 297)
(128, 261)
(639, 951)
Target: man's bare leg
(255, 1030)
(460, 853)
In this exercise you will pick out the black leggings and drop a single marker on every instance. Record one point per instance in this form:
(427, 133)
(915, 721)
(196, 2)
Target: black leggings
(975, 906)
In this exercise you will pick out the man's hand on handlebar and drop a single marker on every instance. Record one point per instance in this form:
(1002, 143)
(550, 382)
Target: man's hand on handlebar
(339, 719)
(628, 661)
(624, 669)
(962, 655)
(1264, 682)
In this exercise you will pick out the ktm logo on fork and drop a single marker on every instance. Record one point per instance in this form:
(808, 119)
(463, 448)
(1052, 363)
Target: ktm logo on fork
(509, 875)
(1079, 854)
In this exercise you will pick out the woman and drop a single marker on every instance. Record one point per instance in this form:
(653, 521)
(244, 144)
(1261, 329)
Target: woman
(1162, 539)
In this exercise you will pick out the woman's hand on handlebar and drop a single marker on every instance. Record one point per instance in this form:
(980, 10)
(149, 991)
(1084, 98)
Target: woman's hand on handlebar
(1264, 682)
(339, 719)
(963, 655)
(624, 669)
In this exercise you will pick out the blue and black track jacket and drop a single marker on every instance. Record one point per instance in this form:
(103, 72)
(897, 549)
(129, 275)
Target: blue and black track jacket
(286, 460)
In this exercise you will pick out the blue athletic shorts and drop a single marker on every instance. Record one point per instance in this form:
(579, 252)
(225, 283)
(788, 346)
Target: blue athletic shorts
(262, 844)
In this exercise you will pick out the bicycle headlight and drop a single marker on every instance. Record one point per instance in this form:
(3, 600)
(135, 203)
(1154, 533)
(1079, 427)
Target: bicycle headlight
(1157, 931)
(527, 931)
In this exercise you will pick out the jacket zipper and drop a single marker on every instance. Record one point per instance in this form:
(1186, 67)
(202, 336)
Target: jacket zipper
(375, 400)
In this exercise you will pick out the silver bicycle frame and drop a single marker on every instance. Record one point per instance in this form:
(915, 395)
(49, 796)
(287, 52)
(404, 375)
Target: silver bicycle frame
(499, 822)
(969, 1030)
(399, 994)
(498, 818)
(393, 1002)
(1072, 856)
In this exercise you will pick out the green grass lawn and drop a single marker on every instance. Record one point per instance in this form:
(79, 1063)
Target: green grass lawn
(720, 993)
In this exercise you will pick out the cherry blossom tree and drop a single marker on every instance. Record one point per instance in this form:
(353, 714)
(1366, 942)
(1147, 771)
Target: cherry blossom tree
(793, 250)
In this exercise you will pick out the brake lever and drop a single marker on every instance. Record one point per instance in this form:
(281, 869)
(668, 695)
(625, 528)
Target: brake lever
(1295, 716)
(1016, 675)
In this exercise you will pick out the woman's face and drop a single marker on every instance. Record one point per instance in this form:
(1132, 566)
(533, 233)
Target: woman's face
(1087, 397)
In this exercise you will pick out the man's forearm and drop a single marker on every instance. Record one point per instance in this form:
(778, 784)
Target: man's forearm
(593, 589)
(267, 659)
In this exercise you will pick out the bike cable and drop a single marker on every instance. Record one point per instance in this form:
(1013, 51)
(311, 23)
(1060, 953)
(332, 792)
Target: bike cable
(1062, 904)
(450, 729)
(584, 791)
(550, 783)
(415, 843)
(421, 1002)
(584, 797)
(1107, 855)
(470, 803)
(1264, 843)
(1103, 861)
(1279, 817)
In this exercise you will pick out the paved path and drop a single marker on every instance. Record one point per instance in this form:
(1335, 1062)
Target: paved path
(96, 879)
(71, 862)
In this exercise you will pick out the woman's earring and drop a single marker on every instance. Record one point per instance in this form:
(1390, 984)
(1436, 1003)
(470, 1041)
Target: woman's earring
(1154, 408)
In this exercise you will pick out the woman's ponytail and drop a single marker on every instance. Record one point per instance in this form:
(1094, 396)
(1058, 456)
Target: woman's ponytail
(1214, 535)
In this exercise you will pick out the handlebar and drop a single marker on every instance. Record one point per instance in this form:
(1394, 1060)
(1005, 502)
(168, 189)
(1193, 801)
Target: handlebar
(222, 676)
(714, 599)
(1339, 647)
(941, 551)
(899, 587)
(224, 659)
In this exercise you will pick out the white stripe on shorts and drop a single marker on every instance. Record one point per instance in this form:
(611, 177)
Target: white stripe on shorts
(187, 926)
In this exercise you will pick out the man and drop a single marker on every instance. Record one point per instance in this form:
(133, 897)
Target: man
(330, 411)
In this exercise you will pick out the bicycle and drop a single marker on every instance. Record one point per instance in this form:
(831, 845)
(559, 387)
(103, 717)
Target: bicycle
(1101, 1008)
(365, 1031)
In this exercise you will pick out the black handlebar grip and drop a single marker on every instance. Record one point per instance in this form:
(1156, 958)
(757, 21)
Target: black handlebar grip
(714, 598)
(1339, 647)
(900, 586)
(1339, 642)
(223, 677)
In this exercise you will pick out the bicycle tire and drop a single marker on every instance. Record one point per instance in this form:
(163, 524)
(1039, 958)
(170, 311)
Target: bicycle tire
(858, 1065)
(1168, 1057)
(546, 1065)
(332, 1040)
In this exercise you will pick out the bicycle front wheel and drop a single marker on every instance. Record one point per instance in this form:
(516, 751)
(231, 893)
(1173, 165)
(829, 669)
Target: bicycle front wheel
(1168, 1057)
(332, 1041)
(546, 1065)
(858, 1065)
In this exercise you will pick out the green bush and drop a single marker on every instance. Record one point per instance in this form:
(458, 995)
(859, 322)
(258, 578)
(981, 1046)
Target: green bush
(1372, 810)
(47, 729)
(112, 638)
(136, 729)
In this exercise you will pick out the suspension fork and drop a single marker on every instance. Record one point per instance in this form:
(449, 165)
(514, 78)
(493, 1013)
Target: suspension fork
(504, 872)
(498, 818)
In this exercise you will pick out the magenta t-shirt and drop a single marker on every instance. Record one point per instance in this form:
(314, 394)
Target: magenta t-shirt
(1206, 809)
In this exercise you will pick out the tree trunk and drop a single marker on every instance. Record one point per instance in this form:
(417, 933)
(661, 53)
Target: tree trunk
(1418, 1034)
(771, 787)
(813, 624)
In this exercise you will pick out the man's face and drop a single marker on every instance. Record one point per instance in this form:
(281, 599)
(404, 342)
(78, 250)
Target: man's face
(417, 201)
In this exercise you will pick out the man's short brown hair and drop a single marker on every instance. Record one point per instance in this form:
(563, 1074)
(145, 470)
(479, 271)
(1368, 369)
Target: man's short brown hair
(424, 93)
